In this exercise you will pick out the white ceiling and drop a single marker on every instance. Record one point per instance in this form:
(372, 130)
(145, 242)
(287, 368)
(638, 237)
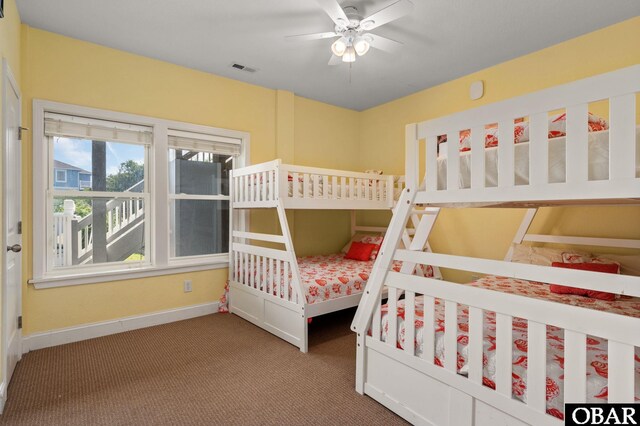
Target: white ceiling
(444, 39)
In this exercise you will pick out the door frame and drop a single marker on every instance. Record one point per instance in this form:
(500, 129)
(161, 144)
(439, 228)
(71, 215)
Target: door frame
(9, 83)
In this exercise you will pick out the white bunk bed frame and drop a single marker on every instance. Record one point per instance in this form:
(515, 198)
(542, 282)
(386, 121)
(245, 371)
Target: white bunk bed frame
(424, 393)
(268, 185)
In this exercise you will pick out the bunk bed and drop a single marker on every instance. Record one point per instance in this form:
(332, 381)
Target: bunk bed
(504, 349)
(279, 292)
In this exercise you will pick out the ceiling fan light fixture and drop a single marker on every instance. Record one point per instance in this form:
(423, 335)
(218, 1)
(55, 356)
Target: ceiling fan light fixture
(339, 47)
(349, 55)
(361, 46)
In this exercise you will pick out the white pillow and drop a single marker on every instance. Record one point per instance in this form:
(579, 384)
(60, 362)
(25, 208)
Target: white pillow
(543, 256)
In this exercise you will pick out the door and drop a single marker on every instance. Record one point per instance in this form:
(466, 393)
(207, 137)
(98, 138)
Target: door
(11, 285)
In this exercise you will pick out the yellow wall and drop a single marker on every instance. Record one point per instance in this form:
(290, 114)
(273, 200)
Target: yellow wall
(71, 71)
(487, 232)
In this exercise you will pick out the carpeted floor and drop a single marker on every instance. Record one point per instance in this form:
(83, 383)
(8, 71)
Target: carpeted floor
(217, 369)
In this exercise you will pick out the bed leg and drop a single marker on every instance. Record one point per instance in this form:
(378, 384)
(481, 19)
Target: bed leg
(304, 348)
(360, 364)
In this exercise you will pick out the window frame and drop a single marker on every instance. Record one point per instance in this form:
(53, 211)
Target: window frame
(158, 221)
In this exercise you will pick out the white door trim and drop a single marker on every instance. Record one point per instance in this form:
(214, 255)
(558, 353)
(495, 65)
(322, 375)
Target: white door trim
(9, 83)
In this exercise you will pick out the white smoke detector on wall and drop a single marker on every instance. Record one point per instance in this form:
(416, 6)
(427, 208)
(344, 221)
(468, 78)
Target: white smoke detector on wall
(476, 90)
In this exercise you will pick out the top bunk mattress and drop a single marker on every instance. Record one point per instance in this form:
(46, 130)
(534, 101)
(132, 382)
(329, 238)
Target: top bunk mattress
(598, 162)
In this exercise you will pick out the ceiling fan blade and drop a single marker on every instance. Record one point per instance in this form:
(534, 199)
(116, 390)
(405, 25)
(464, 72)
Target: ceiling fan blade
(383, 43)
(388, 14)
(335, 60)
(335, 12)
(315, 36)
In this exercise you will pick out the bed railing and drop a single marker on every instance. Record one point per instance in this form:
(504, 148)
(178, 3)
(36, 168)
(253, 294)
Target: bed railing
(621, 332)
(619, 88)
(262, 185)
(267, 270)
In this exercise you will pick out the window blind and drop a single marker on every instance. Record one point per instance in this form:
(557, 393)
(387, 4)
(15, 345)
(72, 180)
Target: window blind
(69, 126)
(203, 142)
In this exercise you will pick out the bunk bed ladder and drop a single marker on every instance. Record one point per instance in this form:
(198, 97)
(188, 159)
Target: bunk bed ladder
(296, 282)
(378, 275)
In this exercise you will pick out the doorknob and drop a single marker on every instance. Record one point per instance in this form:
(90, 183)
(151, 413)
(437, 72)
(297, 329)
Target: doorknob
(16, 248)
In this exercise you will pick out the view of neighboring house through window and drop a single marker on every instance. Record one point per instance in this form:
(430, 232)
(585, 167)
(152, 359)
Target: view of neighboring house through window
(199, 167)
(97, 213)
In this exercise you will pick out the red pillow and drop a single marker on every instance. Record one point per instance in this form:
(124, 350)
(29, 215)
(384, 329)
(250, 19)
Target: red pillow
(360, 251)
(595, 267)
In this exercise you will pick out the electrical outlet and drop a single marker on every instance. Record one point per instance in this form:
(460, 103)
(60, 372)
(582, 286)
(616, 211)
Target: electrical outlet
(187, 286)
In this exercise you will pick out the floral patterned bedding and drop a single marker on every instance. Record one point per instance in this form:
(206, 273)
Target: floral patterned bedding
(332, 276)
(597, 363)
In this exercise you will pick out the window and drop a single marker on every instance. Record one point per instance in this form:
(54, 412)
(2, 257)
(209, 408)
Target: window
(61, 176)
(104, 221)
(199, 193)
(141, 196)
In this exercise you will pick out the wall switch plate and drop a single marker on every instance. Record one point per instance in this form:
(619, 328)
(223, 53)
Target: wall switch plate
(187, 286)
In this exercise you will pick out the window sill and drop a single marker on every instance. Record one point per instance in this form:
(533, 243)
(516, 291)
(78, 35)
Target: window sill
(130, 274)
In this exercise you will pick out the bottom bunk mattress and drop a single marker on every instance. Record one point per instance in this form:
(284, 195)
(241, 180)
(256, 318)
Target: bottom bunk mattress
(332, 276)
(326, 277)
(597, 364)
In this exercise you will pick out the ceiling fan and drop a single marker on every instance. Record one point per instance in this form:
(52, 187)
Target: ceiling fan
(353, 30)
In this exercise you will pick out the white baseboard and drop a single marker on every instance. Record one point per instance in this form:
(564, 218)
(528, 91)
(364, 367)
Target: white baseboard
(89, 331)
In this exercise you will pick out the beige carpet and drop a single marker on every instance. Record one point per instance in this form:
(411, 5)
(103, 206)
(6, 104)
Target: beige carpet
(217, 369)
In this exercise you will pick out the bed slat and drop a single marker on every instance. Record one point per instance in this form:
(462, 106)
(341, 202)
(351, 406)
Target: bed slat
(537, 366)
(392, 317)
(538, 149)
(504, 350)
(409, 322)
(258, 272)
(306, 186)
(575, 366)
(236, 186)
(286, 281)
(428, 330)
(477, 157)
(278, 277)
(272, 180)
(476, 320)
(295, 189)
(351, 194)
(450, 335)
(506, 158)
(285, 274)
(621, 372)
(272, 271)
(334, 187)
(453, 161)
(377, 319)
(316, 186)
(242, 187)
(622, 135)
(432, 164)
(576, 143)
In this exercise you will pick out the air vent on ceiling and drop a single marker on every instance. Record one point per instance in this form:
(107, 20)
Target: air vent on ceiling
(243, 68)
